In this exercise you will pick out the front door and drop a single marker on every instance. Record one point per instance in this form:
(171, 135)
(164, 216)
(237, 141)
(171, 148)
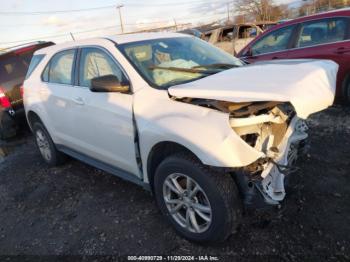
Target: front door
(274, 45)
(104, 121)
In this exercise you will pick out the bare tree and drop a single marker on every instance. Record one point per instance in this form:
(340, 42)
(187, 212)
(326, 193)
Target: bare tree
(267, 10)
(258, 10)
(315, 6)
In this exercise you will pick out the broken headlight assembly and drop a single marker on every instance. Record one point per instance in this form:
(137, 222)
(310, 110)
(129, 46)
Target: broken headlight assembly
(262, 125)
(271, 128)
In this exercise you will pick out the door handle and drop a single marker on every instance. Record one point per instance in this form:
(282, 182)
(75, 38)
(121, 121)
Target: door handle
(79, 101)
(275, 57)
(342, 50)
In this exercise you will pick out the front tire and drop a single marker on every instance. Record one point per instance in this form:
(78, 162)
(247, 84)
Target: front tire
(346, 91)
(46, 146)
(201, 203)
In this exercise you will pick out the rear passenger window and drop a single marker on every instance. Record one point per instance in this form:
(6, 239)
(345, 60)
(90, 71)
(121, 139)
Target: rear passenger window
(322, 32)
(60, 68)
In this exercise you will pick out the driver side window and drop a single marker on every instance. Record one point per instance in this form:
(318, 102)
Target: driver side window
(95, 63)
(273, 42)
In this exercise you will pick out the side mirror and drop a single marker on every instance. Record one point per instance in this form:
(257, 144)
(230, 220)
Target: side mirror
(107, 84)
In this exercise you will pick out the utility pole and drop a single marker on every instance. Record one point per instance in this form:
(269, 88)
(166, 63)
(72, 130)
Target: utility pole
(228, 13)
(175, 24)
(233, 11)
(120, 17)
(315, 6)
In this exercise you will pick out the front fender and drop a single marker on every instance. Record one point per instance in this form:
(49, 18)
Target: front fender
(203, 131)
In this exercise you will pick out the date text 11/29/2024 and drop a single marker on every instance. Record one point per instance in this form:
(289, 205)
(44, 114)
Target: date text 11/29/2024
(173, 258)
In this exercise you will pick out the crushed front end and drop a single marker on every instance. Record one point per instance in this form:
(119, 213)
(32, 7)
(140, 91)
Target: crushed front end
(273, 129)
(259, 140)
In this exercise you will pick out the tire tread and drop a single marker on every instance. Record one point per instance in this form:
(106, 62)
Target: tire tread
(226, 187)
(58, 158)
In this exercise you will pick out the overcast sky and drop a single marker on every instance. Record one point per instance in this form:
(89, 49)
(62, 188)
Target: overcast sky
(137, 14)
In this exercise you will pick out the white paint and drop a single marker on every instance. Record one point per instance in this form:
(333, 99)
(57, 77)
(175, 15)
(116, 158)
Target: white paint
(308, 84)
(273, 182)
(101, 126)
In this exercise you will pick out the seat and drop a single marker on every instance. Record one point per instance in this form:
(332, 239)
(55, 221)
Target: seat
(317, 36)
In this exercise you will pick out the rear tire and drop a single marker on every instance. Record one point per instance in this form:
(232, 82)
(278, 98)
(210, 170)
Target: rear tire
(46, 146)
(8, 127)
(210, 214)
(347, 91)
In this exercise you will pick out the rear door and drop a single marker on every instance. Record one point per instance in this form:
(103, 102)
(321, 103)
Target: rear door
(274, 45)
(104, 121)
(325, 39)
(56, 94)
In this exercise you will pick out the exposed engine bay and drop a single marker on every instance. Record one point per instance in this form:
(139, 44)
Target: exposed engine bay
(271, 128)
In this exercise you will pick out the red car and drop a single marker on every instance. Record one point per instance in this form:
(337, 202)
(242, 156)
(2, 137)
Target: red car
(320, 36)
(14, 63)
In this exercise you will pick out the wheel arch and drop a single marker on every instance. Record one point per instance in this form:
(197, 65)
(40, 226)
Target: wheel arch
(33, 117)
(159, 152)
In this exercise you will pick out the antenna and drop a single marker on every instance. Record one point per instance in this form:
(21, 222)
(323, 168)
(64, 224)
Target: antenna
(120, 17)
(72, 36)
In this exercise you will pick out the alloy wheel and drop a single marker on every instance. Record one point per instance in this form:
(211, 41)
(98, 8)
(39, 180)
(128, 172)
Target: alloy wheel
(187, 203)
(43, 144)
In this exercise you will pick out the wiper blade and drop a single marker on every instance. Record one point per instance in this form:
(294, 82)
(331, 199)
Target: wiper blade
(180, 69)
(223, 65)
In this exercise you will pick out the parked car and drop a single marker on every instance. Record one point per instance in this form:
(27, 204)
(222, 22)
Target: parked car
(14, 64)
(192, 31)
(232, 38)
(180, 117)
(321, 36)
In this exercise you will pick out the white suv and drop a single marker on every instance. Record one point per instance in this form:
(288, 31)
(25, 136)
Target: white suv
(201, 130)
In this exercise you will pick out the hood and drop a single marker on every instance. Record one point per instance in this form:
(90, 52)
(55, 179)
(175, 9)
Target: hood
(309, 85)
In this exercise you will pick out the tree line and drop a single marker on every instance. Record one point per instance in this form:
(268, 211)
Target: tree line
(268, 10)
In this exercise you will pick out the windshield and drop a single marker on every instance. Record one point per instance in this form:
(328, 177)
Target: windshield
(166, 62)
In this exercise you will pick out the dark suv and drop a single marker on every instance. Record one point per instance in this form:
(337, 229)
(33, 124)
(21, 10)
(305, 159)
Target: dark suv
(14, 63)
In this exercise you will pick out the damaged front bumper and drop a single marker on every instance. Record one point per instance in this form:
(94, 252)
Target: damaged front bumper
(272, 185)
(279, 136)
